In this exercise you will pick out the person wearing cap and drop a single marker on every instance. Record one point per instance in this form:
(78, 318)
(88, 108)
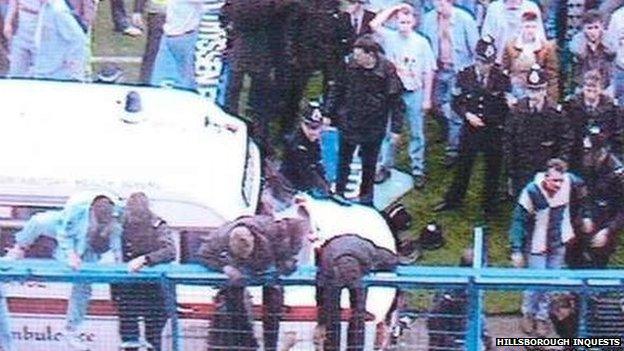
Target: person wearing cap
(253, 246)
(342, 262)
(146, 241)
(480, 100)
(503, 22)
(590, 51)
(84, 230)
(544, 222)
(528, 49)
(302, 153)
(363, 103)
(414, 60)
(589, 109)
(535, 131)
(453, 35)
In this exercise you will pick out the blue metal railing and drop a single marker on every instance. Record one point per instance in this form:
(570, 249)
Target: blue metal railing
(475, 280)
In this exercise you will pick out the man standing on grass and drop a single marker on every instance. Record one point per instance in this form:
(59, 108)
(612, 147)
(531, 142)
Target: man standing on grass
(542, 225)
(368, 97)
(413, 58)
(480, 99)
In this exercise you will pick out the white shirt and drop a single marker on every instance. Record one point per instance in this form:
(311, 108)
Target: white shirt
(504, 25)
(183, 16)
(411, 55)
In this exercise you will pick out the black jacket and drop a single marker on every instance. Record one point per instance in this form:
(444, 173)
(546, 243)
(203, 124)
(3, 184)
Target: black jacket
(364, 100)
(532, 138)
(488, 102)
(606, 116)
(255, 33)
(347, 33)
(302, 163)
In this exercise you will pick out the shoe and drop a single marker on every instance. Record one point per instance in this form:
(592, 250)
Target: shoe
(382, 175)
(74, 342)
(445, 206)
(132, 31)
(527, 324)
(419, 182)
(542, 329)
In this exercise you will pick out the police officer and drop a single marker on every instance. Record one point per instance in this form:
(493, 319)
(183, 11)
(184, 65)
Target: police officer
(591, 108)
(302, 154)
(480, 99)
(535, 132)
(147, 240)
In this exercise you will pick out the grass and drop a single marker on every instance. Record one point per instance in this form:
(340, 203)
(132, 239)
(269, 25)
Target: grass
(457, 224)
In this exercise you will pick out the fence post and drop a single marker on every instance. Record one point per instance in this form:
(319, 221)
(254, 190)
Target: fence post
(475, 296)
(582, 325)
(169, 288)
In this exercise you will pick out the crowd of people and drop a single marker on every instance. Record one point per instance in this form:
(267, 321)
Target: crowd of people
(53, 39)
(534, 86)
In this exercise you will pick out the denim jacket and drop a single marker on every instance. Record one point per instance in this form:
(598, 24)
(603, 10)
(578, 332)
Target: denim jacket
(72, 233)
(464, 35)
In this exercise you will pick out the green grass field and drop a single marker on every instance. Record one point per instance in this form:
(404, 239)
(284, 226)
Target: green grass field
(457, 224)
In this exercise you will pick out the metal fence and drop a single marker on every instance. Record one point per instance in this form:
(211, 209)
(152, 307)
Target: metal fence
(37, 292)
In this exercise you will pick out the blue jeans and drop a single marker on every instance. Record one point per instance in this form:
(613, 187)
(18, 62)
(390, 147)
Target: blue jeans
(618, 83)
(79, 298)
(443, 93)
(175, 61)
(40, 224)
(414, 114)
(224, 80)
(537, 303)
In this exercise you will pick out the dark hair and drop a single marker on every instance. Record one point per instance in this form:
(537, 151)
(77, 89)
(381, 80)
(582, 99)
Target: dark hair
(557, 164)
(529, 16)
(593, 76)
(368, 44)
(592, 16)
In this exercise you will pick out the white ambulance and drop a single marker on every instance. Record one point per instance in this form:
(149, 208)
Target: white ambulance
(196, 163)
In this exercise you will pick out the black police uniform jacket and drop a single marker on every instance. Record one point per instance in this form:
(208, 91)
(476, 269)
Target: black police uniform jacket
(532, 138)
(486, 102)
(606, 116)
(302, 162)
